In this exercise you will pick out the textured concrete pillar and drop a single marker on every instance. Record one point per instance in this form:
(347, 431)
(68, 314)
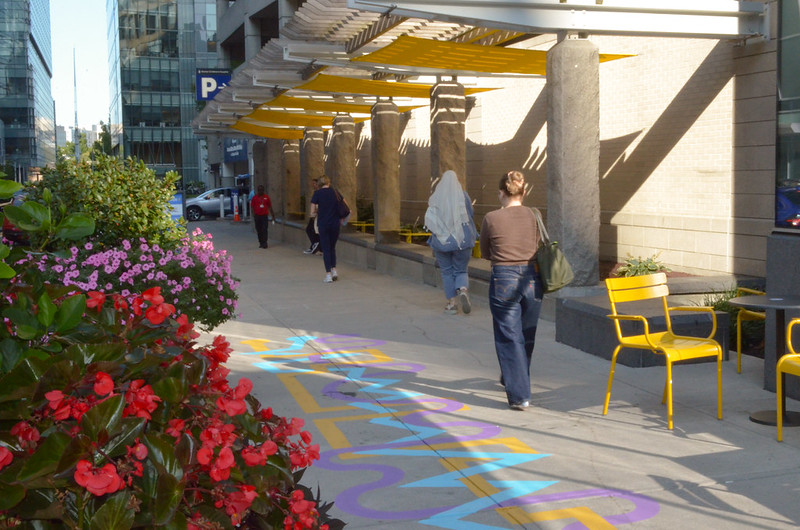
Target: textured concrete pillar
(386, 169)
(343, 155)
(448, 132)
(275, 176)
(291, 175)
(573, 155)
(313, 155)
(258, 175)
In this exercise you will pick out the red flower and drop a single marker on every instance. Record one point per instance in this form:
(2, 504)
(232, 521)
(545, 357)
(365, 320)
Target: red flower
(185, 328)
(153, 295)
(231, 407)
(96, 299)
(25, 432)
(238, 502)
(157, 314)
(221, 469)
(141, 400)
(120, 303)
(55, 397)
(98, 481)
(103, 384)
(176, 427)
(5, 457)
(139, 450)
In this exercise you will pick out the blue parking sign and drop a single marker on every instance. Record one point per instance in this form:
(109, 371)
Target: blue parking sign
(210, 82)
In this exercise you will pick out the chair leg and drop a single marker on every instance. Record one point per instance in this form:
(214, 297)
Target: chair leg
(669, 393)
(610, 379)
(719, 384)
(739, 343)
(779, 395)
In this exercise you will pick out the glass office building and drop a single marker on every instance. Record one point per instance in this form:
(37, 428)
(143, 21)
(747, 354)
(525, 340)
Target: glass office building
(787, 200)
(155, 47)
(27, 109)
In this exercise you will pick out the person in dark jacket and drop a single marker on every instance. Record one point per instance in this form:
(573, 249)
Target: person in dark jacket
(324, 204)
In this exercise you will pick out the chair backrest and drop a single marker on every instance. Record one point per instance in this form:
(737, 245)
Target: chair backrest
(637, 288)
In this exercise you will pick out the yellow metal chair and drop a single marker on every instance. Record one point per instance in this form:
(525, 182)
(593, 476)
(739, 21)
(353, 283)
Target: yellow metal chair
(673, 347)
(787, 364)
(743, 315)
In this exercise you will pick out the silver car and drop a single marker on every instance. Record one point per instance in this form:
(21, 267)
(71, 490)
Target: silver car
(207, 203)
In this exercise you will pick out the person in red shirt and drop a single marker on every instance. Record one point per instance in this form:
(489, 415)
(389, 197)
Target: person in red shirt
(261, 205)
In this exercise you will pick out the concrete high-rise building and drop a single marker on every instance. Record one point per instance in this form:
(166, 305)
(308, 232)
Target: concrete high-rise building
(27, 110)
(155, 48)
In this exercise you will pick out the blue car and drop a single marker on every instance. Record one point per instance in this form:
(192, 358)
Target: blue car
(787, 207)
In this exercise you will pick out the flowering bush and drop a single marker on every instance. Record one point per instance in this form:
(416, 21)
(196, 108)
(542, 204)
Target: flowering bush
(192, 275)
(113, 417)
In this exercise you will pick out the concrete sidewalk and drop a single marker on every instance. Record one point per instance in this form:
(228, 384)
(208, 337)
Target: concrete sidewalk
(415, 432)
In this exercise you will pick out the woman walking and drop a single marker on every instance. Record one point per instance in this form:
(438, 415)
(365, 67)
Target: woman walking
(510, 238)
(324, 206)
(449, 218)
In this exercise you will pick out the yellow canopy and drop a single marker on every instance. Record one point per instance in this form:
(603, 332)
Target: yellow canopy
(292, 118)
(350, 85)
(446, 55)
(290, 102)
(268, 132)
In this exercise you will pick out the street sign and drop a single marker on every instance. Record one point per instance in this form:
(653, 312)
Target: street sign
(210, 81)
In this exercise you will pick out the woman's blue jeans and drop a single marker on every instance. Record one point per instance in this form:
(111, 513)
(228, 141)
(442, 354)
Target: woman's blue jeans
(515, 298)
(453, 266)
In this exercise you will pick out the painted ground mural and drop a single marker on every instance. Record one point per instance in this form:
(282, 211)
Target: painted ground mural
(346, 385)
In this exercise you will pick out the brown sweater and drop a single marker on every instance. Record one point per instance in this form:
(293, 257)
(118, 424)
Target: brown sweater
(510, 236)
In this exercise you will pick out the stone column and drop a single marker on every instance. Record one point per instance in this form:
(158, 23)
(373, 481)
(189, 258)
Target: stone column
(448, 131)
(258, 175)
(343, 155)
(252, 37)
(386, 170)
(313, 153)
(291, 174)
(274, 170)
(573, 155)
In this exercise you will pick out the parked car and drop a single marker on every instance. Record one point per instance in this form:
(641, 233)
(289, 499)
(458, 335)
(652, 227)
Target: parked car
(787, 207)
(13, 234)
(207, 203)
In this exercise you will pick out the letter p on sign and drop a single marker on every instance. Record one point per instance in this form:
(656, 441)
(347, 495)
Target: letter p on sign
(207, 85)
(210, 81)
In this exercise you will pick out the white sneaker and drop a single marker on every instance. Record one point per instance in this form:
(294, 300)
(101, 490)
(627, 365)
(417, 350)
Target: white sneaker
(334, 275)
(463, 299)
(328, 278)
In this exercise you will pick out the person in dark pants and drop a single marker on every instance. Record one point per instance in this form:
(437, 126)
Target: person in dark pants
(312, 234)
(510, 239)
(324, 205)
(261, 206)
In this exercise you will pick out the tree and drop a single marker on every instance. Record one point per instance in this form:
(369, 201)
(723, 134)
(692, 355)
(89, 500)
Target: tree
(103, 145)
(67, 152)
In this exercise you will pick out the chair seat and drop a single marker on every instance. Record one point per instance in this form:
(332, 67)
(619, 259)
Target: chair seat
(677, 347)
(789, 364)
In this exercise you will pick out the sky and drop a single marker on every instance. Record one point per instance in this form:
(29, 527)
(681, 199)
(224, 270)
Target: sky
(80, 25)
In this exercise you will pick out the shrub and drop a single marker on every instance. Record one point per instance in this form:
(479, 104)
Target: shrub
(752, 330)
(125, 199)
(191, 273)
(641, 266)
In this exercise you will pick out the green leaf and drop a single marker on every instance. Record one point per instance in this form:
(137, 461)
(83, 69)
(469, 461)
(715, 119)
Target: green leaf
(104, 417)
(171, 389)
(95, 353)
(9, 188)
(170, 492)
(162, 453)
(10, 495)
(114, 513)
(70, 313)
(24, 321)
(80, 446)
(45, 459)
(47, 310)
(30, 216)
(75, 226)
(130, 429)
(10, 354)
(6, 271)
(21, 381)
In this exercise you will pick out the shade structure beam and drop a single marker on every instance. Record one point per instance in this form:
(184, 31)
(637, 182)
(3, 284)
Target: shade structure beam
(686, 18)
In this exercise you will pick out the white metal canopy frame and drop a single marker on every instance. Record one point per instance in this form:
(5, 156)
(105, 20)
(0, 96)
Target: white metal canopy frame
(685, 18)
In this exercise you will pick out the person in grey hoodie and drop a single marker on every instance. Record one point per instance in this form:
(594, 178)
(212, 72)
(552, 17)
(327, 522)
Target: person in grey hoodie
(449, 218)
